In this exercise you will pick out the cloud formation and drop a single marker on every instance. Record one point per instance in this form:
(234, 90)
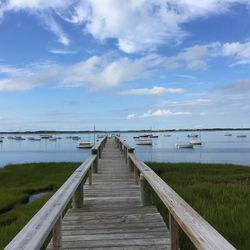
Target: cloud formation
(156, 90)
(137, 25)
(107, 71)
(158, 113)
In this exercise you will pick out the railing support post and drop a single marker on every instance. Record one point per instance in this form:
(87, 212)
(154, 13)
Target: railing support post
(174, 233)
(78, 196)
(57, 234)
(95, 164)
(90, 175)
(145, 191)
(130, 165)
(136, 175)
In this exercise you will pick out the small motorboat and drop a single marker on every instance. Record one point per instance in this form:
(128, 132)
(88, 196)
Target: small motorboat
(136, 137)
(241, 136)
(1, 140)
(145, 136)
(10, 137)
(227, 134)
(75, 138)
(19, 138)
(34, 139)
(192, 135)
(45, 136)
(144, 142)
(154, 136)
(52, 139)
(195, 142)
(167, 135)
(187, 145)
(84, 144)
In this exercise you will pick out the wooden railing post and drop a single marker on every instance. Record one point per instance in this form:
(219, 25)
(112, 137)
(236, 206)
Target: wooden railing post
(145, 191)
(136, 175)
(90, 175)
(130, 165)
(78, 196)
(95, 163)
(174, 233)
(129, 161)
(57, 234)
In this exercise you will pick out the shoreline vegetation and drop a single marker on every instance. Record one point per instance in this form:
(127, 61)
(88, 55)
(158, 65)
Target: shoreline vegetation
(17, 183)
(122, 131)
(219, 192)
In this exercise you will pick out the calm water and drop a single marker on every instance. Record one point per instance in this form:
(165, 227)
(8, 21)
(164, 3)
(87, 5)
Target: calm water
(216, 148)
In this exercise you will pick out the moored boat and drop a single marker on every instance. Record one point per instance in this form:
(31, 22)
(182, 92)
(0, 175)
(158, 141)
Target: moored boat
(84, 144)
(187, 145)
(45, 136)
(241, 136)
(34, 138)
(195, 142)
(75, 137)
(19, 138)
(144, 142)
(192, 135)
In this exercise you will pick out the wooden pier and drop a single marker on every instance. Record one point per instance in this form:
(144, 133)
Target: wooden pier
(112, 209)
(112, 216)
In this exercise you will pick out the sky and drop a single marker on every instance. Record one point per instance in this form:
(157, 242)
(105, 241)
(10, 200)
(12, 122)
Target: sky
(115, 64)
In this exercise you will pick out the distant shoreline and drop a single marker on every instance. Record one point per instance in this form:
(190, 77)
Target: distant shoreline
(122, 131)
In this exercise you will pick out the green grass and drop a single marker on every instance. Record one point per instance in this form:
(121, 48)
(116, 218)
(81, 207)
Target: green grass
(219, 193)
(17, 182)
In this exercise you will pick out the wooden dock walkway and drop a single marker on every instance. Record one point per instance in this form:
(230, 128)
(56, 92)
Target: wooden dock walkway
(113, 216)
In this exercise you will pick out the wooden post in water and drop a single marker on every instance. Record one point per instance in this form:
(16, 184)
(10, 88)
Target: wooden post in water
(174, 233)
(145, 191)
(57, 235)
(78, 196)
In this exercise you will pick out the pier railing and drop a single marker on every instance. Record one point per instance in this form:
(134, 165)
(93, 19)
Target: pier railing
(181, 214)
(49, 217)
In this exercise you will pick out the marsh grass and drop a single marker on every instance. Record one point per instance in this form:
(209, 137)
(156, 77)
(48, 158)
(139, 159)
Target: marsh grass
(220, 193)
(17, 182)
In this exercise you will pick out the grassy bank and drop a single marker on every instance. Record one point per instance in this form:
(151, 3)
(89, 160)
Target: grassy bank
(17, 182)
(220, 193)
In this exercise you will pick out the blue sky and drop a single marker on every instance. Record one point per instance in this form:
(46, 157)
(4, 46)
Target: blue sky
(136, 64)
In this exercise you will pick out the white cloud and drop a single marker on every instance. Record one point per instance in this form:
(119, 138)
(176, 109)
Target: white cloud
(158, 113)
(164, 113)
(137, 25)
(131, 116)
(56, 29)
(62, 52)
(189, 103)
(156, 90)
(240, 51)
(100, 72)
(94, 73)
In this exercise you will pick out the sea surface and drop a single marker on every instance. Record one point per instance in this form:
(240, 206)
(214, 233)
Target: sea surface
(216, 148)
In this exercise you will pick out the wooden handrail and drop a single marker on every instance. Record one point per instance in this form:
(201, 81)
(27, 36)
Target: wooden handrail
(33, 235)
(198, 230)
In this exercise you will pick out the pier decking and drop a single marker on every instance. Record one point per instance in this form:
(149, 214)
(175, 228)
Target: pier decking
(112, 216)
